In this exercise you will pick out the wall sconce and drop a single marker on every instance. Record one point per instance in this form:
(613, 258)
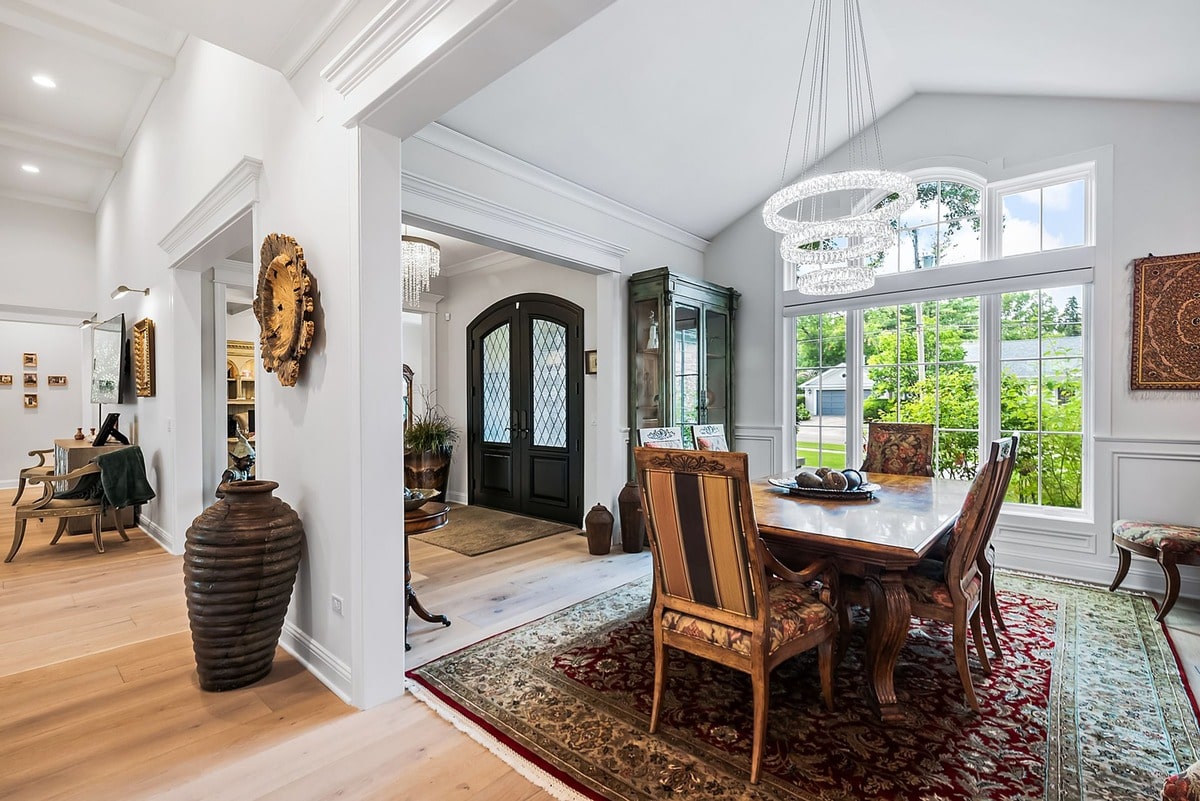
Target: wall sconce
(123, 290)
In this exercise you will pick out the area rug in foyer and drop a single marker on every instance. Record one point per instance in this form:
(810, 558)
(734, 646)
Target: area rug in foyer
(476, 530)
(1087, 703)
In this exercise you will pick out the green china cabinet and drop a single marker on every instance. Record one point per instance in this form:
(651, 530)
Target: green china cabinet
(680, 352)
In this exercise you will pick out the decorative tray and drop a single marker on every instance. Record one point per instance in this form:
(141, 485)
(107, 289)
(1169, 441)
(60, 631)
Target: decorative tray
(862, 493)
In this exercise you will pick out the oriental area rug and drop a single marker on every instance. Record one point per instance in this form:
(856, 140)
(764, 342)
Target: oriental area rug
(475, 530)
(1088, 702)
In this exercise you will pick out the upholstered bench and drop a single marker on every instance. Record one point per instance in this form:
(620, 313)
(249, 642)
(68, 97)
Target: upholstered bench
(1166, 543)
(1183, 786)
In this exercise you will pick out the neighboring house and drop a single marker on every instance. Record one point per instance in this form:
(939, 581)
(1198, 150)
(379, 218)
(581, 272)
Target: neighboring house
(825, 393)
(1019, 357)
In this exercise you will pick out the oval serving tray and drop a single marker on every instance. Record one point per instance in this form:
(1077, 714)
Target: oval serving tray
(862, 493)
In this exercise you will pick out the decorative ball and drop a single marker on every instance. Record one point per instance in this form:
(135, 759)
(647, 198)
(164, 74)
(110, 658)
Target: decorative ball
(834, 480)
(808, 480)
(823, 471)
(854, 479)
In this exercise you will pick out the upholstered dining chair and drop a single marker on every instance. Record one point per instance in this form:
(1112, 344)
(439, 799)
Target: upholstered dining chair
(904, 449)
(39, 469)
(952, 591)
(710, 437)
(1169, 544)
(720, 594)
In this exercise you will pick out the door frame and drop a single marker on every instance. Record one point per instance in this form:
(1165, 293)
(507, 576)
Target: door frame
(572, 315)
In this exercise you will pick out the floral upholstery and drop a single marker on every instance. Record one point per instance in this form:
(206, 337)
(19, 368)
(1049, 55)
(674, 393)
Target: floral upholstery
(1166, 537)
(795, 611)
(1183, 786)
(900, 448)
(923, 588)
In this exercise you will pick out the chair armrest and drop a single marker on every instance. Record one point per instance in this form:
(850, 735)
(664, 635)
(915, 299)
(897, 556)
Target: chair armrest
(78, 472)
(823, 569)
(41, 456)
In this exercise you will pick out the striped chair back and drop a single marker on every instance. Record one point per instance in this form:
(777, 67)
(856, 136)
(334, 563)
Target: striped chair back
(702, 531)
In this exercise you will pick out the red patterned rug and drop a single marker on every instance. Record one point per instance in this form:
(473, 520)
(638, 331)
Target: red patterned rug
(1087, 703)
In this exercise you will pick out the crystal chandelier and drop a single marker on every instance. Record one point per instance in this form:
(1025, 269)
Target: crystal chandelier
(827, 253)
(422, 261)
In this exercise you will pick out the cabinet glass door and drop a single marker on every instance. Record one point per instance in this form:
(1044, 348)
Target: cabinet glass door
(686, 390)
(647, 353)
(716, 372)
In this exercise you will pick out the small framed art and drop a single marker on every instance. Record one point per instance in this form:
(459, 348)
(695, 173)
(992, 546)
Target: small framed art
(31, 401)
(29, 361)
(29, 380)
(5, 380)
(56, 380)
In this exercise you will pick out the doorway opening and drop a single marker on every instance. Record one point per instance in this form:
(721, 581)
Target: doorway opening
(525, 417)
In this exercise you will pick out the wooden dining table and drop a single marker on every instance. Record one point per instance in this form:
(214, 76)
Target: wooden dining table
(877, 540)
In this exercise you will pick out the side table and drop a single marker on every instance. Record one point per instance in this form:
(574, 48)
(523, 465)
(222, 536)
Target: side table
(424, 518)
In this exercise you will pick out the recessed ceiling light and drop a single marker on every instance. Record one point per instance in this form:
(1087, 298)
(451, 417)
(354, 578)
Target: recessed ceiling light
(33, 168)
(44, 80)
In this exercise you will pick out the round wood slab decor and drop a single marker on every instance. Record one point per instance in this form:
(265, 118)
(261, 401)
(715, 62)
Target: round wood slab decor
(283, 306)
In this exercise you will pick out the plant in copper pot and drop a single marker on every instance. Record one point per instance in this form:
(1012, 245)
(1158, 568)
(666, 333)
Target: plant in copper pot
(428, 446)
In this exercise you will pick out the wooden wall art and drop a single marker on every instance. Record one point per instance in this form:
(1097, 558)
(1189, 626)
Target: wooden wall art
(29, 380)
(283, 306)
(1166, 322)
(143, 358)
(29, 361)
(31, 401)
(6, 380)
(56, 380)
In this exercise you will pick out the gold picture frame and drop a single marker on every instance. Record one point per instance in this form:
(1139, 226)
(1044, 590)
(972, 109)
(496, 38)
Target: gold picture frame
(56, 380)
(31, 401)
(143, 358)
(6, 380)
(29, 379)
(29, 361)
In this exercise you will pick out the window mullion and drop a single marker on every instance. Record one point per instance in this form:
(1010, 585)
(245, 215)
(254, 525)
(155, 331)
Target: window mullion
(989, 370)
(855, 368)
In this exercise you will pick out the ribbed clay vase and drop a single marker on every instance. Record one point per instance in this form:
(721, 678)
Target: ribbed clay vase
(239, 565)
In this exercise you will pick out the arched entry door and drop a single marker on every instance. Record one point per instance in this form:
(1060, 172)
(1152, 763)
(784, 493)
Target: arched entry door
(525, 427)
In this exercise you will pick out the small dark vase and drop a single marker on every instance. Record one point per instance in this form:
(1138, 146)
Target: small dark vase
(428, 469)
(599, 525)
(633, 524)
(239, 565)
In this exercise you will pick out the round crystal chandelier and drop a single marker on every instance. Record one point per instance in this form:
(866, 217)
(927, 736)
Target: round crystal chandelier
(422, 261)
(827, 251)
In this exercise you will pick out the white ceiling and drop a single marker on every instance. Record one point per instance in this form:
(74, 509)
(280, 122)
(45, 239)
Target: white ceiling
(677, 108)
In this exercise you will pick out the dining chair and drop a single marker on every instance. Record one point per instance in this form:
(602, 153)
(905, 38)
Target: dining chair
(710, 437)
(39, 469)
(904, 449)
(720, 594)
(1169, 544)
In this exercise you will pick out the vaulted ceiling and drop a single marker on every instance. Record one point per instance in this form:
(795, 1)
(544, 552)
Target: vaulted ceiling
(677, 108)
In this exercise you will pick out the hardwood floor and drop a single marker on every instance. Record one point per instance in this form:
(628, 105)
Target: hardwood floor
(98, 693)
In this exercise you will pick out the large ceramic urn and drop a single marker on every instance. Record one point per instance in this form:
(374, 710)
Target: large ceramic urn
(239, 565)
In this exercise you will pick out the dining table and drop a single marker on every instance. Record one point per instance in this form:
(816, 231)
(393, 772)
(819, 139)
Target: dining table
(876, 539)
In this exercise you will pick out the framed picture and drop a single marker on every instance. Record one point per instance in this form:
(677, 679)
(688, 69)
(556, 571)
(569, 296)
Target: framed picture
(143, 357)
(1166, 323)
(29, 361)
(30, 380)
(589, 362)
(56, 380)
(5, 380)
(31, 401)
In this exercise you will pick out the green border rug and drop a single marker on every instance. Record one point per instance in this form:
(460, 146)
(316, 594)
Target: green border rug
(1087, 703)
(475, 530)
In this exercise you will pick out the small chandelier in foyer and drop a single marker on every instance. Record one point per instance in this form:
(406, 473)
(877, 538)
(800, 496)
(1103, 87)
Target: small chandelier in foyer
(828, 252)
(422, 261)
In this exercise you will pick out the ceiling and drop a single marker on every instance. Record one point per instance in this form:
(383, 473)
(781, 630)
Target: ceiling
(676, 108)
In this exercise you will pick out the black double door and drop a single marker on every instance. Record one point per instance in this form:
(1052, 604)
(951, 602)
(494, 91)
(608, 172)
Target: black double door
(525, 427)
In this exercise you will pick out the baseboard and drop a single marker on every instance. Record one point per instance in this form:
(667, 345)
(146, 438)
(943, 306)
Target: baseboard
(159, 535)
(457, 497)
(329, 670)
(8, 484)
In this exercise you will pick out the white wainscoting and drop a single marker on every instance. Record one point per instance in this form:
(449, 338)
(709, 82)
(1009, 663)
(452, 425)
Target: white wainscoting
(763, 444)
(1150, 479)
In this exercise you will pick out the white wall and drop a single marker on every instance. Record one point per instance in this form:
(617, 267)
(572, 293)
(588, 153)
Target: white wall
(59, 349)
(413, 351)
(1142, 439)
(467, 296)
(242, 326)
(49, 257)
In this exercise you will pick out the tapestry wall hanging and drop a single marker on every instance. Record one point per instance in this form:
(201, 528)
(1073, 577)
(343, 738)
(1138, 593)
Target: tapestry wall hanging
(1166, 322)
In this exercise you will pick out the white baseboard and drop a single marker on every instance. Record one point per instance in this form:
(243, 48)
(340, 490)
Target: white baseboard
(329, 670)
(159, 535)
(457, 497)
(8, 484)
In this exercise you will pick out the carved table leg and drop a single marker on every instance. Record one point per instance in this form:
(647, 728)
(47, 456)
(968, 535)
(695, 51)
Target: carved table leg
(890, 614)
(411, 602)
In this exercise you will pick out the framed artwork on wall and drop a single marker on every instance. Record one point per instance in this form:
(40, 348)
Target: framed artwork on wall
(5, 380)
(29, 380)
(1166, 323)
(56, 380)
(29, 361)
(590, 363)
(143, 357)
(31, 401)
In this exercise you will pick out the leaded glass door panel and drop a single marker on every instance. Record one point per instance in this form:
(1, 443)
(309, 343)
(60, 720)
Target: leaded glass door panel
(525, 432)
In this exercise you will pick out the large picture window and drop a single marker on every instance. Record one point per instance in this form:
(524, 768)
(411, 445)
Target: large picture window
(975, 365)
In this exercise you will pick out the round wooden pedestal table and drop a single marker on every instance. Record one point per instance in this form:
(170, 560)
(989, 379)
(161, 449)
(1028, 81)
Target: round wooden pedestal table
(424, 518)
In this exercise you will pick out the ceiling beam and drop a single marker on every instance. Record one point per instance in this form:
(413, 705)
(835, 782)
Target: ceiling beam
(46, 200)
(73, 33)
(47, 142)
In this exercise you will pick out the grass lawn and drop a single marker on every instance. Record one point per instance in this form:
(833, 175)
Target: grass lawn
(833, 455)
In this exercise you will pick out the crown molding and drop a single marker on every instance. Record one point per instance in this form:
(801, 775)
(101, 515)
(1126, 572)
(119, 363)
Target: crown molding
(45, 316)
(234, 193)
(292, 59)
(392, 28)
(79, 35)
(509, 226)
(473, 150)
(496, 258)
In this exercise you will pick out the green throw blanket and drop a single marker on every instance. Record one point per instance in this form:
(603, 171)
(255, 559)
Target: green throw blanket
(122, 480)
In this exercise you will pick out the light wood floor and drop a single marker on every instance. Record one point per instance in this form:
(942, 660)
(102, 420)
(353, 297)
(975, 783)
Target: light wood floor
(98, 693)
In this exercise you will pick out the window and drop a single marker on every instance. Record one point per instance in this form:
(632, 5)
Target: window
(985, 349)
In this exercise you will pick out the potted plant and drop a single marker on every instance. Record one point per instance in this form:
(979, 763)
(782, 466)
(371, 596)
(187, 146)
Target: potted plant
(428, 445)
